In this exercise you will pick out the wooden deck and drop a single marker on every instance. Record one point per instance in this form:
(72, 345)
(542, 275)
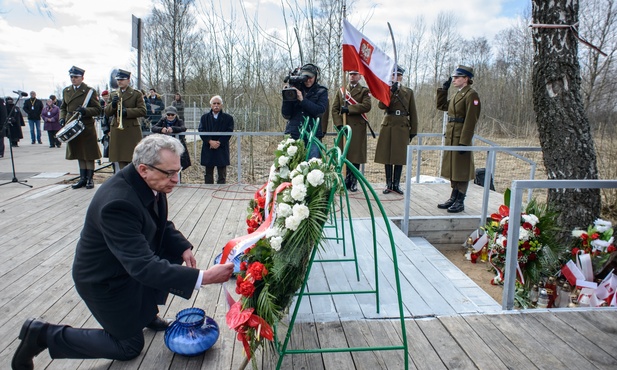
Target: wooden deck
(450, 322)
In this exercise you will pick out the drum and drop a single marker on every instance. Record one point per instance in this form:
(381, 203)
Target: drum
(70, 131)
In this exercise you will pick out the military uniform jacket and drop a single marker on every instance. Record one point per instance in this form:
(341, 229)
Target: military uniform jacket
(128, 258)
(224, 123)
(85, 146)
(399, 123)
(464, 106)
(123, 142)
(357, 123)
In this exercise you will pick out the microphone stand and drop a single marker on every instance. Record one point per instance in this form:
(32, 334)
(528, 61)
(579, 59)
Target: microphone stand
(8, 134)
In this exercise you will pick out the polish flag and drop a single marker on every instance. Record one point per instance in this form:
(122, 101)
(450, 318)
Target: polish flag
(360, 54)
(572, 273)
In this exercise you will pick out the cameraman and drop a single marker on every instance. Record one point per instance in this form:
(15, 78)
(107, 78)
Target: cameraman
(312, 102)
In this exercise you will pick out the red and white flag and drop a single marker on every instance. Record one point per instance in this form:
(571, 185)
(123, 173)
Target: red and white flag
(360, 54)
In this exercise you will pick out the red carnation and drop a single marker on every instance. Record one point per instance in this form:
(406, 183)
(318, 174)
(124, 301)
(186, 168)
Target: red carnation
(261, 202)
(532, 256)
(527, 226)
(257, 270)
(595, 236)
(245, 288)
(536, 231)
(584, 236)
(611, 248)
(575, 251)
(505, 229)
(525, 246)
(243, 265)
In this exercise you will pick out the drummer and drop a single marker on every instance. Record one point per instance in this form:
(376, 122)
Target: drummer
(84, 146)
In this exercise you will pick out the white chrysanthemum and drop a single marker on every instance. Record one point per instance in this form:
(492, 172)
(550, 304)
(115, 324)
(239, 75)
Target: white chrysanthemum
(577, 233)
(532, 219)
(283, 160)
(302, 166)
(315, 178)
(301, 211)
(290, 141)
(292, 222)
(293, 174)
(601, 245)
(313, 160)
(524, 234)
(298, 192)
(283, 210)
(281, 146)
(276, 242)
(504, 221)
(602, 225)
(297, 180)
(292, 150)
(287, 197)
(284, 172)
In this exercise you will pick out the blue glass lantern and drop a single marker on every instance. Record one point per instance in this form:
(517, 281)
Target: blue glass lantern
(192, 334)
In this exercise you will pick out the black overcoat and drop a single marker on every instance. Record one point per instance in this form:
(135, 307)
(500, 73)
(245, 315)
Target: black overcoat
(123, 262)
(224, 123)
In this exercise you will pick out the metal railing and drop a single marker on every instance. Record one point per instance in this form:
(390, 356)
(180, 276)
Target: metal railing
(490, 165)
(515, 219)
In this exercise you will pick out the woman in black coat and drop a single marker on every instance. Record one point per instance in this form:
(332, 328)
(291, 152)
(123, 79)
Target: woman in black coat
(215, 148)
(16, 120)
(171, 124)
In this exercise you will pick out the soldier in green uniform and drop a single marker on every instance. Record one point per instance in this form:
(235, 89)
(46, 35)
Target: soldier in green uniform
(127, 105)
(463, 113)
(84, 147)
(398, 127)
(355, 102)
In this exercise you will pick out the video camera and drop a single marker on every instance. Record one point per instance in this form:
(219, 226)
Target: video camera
(294, 79)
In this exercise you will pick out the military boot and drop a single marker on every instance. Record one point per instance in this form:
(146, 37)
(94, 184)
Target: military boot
(459, 204)
(82, 180)
(89, 179)
(396, 179)
(449, 202)
(388, 188)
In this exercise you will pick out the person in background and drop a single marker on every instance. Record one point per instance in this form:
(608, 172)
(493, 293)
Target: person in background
(463, 113)
(355, 104)
(51, 122)
(105, 125)
(3, 126)
(84, 147)
(33, 108)
(398, 127)
(154, 106)
(311, 101)
(123, 140)
(57, 102)
(15, 122)
(171, 124)
(215, 149)
(128, 259)
(178, 103)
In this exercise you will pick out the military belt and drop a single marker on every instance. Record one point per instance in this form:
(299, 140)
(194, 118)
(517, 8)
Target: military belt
(457, 120)
(397, 112)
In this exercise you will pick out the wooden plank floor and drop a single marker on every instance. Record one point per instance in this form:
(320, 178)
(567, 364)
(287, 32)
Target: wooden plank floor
(448, 325)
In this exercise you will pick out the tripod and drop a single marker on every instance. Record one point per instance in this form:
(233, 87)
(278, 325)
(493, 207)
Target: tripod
(7, 133)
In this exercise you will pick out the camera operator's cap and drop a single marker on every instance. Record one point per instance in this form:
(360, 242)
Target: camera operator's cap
(463, 71)
(171, 110)
(400, 70)
(123, 75)
(309, 70)
(76, 71)
(105, 92)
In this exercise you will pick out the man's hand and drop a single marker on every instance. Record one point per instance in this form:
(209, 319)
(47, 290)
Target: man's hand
(299, 94)
(62, 122)
(344, 109)
(124, 113)
(394, 87)
(446, 85)
(189, 258)
(218, 274)
(81, 111)
(114, 101)
(214, 144)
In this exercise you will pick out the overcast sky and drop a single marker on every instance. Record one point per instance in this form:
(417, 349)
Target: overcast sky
(37, 49)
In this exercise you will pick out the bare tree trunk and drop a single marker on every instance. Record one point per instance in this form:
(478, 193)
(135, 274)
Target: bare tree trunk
(565, 133)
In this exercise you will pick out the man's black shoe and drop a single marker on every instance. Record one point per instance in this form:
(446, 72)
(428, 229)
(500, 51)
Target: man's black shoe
(158, 324)
(30, 345)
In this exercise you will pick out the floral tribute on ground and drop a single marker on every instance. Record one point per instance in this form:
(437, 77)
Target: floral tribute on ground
(285, 221)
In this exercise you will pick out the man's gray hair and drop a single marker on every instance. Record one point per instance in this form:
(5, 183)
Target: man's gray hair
(218, 97)
(148, 150)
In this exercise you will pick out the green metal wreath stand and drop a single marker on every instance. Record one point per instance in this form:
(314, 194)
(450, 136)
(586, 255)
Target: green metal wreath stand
(337, 158)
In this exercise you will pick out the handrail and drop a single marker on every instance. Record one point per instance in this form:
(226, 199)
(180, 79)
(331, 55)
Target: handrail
(515, 219)
(490, 159)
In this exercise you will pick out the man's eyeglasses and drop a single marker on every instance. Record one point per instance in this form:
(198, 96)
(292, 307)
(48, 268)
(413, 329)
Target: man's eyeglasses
(169, 174)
